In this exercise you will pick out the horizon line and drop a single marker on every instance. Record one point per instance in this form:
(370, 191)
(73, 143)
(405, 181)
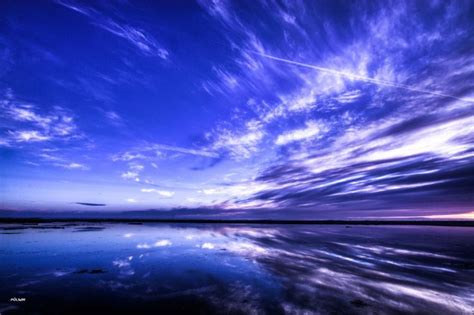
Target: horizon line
(423, 222)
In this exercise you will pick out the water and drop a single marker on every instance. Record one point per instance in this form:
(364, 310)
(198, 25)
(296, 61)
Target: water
(235, 269)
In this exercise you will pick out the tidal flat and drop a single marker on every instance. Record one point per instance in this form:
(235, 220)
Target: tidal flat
(179, 268)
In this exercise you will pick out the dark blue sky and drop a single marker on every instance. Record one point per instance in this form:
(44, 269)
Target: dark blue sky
(317, 109)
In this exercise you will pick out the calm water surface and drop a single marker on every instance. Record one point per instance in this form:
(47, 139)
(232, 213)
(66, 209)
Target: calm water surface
(235, 269)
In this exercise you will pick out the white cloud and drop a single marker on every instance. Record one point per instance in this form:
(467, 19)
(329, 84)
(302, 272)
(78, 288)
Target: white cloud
(29, 136)
(130, 175)
(237, 190)
(163, 193)
(301, 101)
(438, 139)
(239, 145)
(25, 112)
(74, 165)
(312, 130)
(134, 172)
(131, 200)
(210, 191)
(148, 190)
(162, 243)
(208, 246)
(143, 246)
(349, 97)
(4, 142)
(121, 263)
(35, 125)
(136, 167)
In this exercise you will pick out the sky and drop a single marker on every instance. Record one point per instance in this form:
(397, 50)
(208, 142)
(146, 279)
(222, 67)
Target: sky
(308, 109)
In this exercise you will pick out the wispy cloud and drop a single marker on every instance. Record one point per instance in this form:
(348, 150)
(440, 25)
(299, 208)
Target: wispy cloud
(371, 101)
(53, 157)
(377, 163)
(164, 147)
(371, 109)
(114, 118)
(28, 136)
(127, 156)
(137, 37)
(354, 76)
(239, 145)
(150, 151)
(32, 125)
(349, 97)
(311, 130)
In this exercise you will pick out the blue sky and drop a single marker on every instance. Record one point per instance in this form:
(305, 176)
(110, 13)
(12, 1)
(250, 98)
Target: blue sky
(313, 109)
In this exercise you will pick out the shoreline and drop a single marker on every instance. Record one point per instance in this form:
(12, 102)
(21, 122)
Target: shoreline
(467, 223)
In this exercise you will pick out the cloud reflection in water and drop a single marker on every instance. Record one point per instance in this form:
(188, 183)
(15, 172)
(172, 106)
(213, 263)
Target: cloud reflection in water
(235, 268)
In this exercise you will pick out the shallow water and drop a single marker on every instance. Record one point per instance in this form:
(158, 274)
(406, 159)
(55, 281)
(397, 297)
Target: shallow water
(235, 269)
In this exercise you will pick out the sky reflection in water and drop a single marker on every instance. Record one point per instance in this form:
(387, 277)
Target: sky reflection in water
(236, 269)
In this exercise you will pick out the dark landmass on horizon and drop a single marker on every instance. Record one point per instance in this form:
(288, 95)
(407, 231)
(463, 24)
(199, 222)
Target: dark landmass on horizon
(459, 223)
(159, 216)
